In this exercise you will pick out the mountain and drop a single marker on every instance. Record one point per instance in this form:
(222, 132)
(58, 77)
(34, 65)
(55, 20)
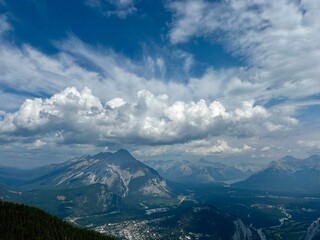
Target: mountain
(313, 231)
(85, 185)
(119, 171)
(288, 174)
(19, 221)
(201, 171)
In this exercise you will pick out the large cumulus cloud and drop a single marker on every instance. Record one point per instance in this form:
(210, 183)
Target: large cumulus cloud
(73, 116)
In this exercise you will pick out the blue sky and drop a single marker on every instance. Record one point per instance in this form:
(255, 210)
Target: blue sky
(165, 79)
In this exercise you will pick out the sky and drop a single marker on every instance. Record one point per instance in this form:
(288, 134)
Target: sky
(181, 79)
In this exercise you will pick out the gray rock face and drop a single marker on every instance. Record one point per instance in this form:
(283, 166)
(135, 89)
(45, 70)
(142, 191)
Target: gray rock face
(241, 231)
(85, 185)
(119, 171)
(313, 231)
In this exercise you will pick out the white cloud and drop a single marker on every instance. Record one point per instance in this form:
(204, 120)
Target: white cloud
(28, 71)
(4, 24)
(188, 59)
(313, 144)
(265, 149)
(71, 116)
(224, 104)
(221, 147)
(119, 8)
(37, 144)
(116, 102)
(192, 18)
(204, 147)
(284, 50)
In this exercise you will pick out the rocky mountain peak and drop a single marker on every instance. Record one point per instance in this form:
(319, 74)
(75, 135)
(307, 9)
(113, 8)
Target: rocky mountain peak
(123, 154)
(101, 155)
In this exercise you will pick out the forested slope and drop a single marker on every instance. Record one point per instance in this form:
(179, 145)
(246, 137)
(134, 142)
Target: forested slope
(22, 222)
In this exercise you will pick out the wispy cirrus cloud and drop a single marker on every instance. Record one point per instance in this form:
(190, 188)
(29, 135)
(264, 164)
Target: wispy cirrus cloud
(5, 26)
(283, 50)
(119, 8)
(28, 72)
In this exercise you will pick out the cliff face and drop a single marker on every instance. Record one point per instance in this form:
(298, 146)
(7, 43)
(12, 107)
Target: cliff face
(241, 231)
(313, 231)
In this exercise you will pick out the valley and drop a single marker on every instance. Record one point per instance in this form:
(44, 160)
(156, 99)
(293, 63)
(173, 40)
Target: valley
(117, 195)
(267, 216)
(275, 217)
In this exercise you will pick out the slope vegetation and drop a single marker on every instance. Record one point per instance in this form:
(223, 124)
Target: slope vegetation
(21, 222)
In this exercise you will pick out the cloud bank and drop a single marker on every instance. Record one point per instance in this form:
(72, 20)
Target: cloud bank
(73, 116)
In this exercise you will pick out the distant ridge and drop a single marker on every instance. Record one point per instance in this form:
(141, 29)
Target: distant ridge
(288, 174)
(199, 172)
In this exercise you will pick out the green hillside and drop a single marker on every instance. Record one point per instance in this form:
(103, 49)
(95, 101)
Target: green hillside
(22, 222)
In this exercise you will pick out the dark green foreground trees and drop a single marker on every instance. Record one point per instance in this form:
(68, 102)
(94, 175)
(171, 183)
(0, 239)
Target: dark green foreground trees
(21, 222)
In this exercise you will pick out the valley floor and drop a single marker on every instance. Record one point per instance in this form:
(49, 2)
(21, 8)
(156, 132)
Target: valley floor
(269, 216)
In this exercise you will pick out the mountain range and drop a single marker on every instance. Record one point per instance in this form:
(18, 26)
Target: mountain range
(92, 190)
(201, 171)
(288, 174)
(93, 186)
